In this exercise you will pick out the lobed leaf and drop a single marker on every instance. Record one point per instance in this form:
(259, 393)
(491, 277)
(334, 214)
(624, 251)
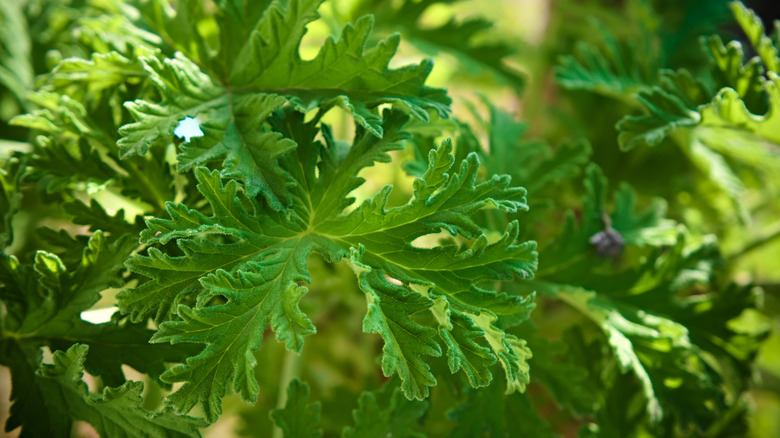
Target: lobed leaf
(114, 412)
(386, 413)
(298, 419)
(245, 267)
(265, 74)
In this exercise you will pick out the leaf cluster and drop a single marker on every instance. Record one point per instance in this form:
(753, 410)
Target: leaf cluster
(326, 238)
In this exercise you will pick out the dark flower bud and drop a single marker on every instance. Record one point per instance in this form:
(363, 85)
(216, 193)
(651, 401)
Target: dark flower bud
(608, 242)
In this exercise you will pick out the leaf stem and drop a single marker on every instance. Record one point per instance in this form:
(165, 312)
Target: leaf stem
(291, 368)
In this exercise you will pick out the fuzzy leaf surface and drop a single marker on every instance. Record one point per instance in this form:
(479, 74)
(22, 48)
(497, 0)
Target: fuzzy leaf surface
(254, 261)
(114, 412)
(265, 74)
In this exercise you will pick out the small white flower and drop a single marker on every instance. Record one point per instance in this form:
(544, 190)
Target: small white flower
(188, 128)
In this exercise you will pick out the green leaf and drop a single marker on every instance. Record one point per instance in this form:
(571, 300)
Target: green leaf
(464, 350)
(728, 112)
(62, 117)
(618, 329)
(176, 26)
(16, 70)
(267, 73)
(490, 412)
(246, 266)
(642, 309)
(730, 136)
(637, 305)
(386, 413)
(715, 165)
(101, 71)
(715, 128)
(10, 199)
(406, 342)
(52, 296)
(542, 166)
(114, 412)
(754, 30)
(45, 302)
(719, 131)
(29, 408)
(566, 379)
(255, 300)
(96, 217)
(646, 227)
(459, 38)
(298, 419)
(116, 344)
(104, 76)
(186, 91)
(344, 72)
(251, 153)
(691, 90)
(100, 28)
(730, 70)
(619, 68)
(667, 113)
(76, 148)
(57, 166)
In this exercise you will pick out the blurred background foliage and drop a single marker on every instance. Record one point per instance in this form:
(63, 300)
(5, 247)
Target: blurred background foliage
(513, 70)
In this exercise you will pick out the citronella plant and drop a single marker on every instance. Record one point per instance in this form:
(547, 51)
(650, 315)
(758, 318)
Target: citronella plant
(300, 234)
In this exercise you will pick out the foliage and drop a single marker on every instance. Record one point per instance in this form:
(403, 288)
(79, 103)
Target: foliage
(217, 174)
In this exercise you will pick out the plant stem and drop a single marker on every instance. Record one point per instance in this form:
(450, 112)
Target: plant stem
(291, 368)
(774, 233)
(151, 189)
